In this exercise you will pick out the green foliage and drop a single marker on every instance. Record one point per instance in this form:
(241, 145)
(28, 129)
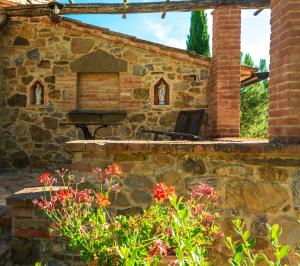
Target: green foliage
(198, 39)
(182, 228)
(248, 60)
(254, 105)
(243, 248)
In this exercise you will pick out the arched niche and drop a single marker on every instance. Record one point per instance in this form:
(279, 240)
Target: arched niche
(37, 94)
(161, 93)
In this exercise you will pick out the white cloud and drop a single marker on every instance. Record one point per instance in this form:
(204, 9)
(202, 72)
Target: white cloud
(162, 33)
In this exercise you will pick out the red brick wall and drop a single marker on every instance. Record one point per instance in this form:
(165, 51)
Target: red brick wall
(224, 103)
(284, 119)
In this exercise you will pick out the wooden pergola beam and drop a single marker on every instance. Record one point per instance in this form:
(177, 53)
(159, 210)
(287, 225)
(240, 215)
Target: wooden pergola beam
(148, 7)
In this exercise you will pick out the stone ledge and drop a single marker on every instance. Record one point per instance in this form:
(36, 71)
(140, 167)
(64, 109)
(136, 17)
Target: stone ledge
(235, 146)
(24, 197)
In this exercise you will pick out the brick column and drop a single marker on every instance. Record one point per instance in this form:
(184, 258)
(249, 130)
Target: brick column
(224, 94)
(284, 96)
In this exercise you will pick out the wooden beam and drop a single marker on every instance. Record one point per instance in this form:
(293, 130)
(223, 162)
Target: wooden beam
(147, 7)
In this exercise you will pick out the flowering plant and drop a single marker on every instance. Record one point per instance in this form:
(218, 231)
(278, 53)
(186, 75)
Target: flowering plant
(183, 228)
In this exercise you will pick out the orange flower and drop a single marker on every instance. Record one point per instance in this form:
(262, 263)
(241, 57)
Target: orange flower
(162, 192)
(113, 169)
(102, 200)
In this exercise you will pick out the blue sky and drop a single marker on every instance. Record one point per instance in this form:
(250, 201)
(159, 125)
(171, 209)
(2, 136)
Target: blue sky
(172, 30)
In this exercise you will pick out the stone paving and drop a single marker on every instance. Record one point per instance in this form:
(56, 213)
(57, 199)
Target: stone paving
(10, 183)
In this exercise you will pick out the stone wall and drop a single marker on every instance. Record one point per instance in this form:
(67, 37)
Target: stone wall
(34, 49)
(258, 182)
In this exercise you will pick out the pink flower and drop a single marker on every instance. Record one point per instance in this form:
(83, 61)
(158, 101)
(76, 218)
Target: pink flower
(84, 196)
(99, 173)
(47, 179)
(203, 190)
(162, 192)
(208, 218)
(45, 204)
(159, 248)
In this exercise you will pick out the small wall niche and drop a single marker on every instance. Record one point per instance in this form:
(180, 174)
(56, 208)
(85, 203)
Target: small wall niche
(161, 93)
(37, 95)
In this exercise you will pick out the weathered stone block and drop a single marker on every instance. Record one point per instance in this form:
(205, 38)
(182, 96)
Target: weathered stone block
(130, 55)
(138, 181)
(81, 46)
(141, 93)
(138, 70)
(194, 166)
(171, 178)
(140, 196)
(38, 134)
(168, 118)
(150, 67)
(33, 54)
(28, 116)
(119, 199)
(296, 187)
(44, 64)
(17, 100)
(136, 118)
(50, 123)
(130, 157)
(257, 197)
(9, 72)
(8, 115)
(20, 41)
(272, 173)
(20, 159)
(99, 61)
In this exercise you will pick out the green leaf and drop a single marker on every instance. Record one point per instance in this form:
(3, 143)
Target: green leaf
(251, 243)
(238, 258)
(239, 249)
(284, 251)
(246, 235)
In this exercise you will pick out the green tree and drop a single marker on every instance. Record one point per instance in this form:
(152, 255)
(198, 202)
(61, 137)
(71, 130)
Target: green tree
(198, 39)
(254, 104)
(248, 60)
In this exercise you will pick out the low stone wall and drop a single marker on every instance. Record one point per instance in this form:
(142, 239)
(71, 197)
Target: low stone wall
(257, 181)
(30, 240)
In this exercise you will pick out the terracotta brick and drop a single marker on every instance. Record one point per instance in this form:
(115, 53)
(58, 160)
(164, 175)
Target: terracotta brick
(30, 233)
(284, 108)
(224, 110)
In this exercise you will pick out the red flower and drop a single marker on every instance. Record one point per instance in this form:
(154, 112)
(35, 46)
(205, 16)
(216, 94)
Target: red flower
(102, 200)
(64, 194)
(203, 190)
(47, 179)
(85, 196)
(162, 192)
(159, 248)
(218, 234)
(208, 218)
(169, 232)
